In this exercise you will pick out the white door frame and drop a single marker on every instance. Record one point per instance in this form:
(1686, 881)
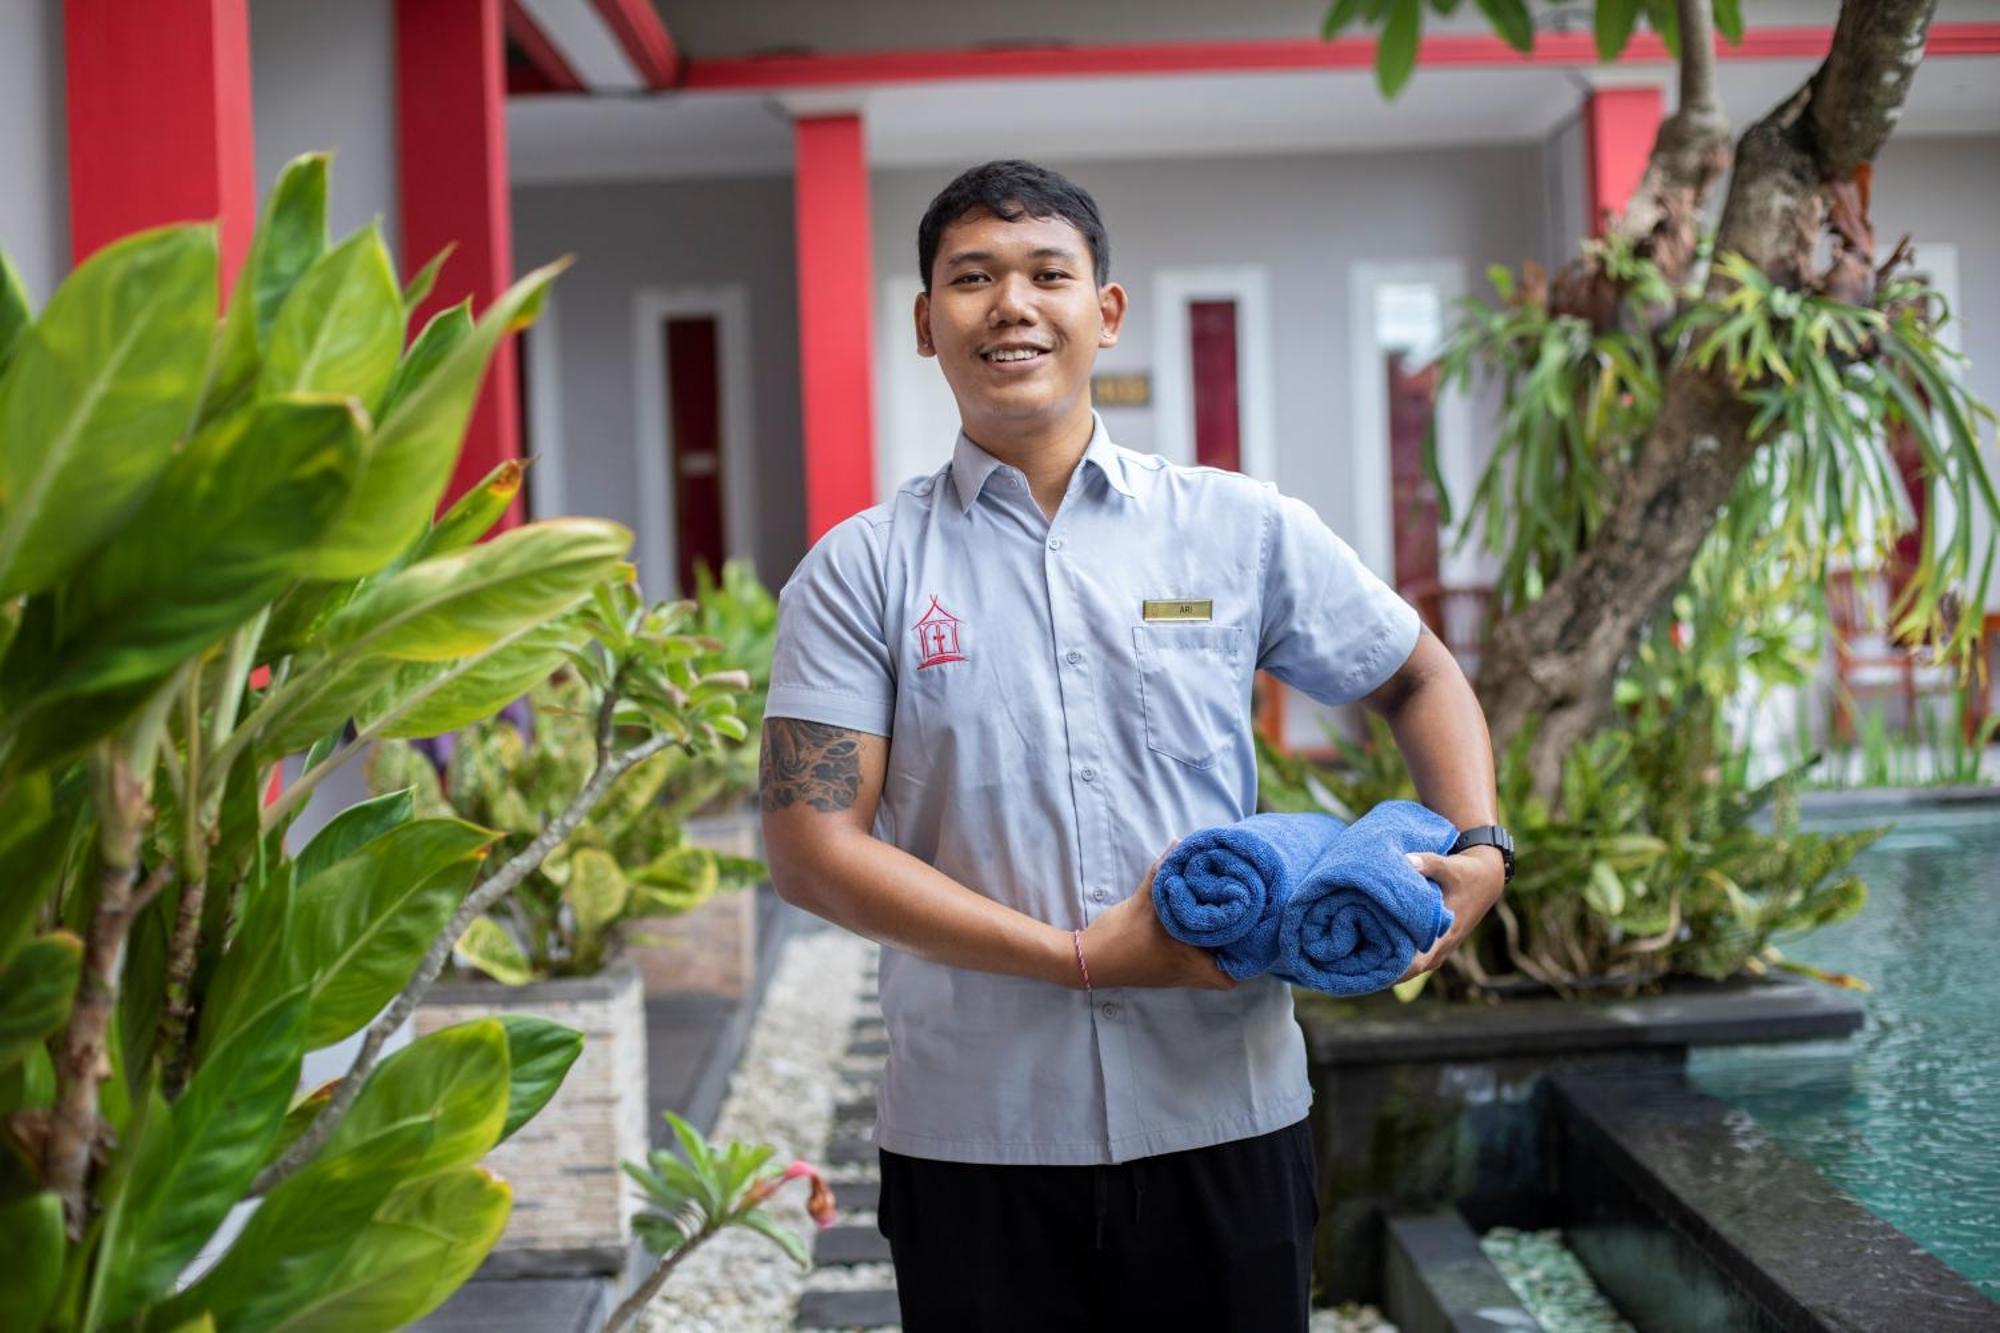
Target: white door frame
(1249, 285)
(1372, 534)
(547, 486)
(729, 306)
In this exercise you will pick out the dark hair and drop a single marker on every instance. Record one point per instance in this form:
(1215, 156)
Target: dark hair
(1011, 190)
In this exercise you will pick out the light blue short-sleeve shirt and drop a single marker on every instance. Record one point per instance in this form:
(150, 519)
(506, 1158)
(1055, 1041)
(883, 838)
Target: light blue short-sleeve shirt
(1047, 741)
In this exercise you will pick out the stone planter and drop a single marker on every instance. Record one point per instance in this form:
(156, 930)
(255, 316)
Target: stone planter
(711, 950)
(1427, 1105)
(572, 1210)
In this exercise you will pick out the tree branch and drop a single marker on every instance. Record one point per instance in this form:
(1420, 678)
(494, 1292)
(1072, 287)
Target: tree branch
(1690, 154)
(495, 888)
(1858, 93)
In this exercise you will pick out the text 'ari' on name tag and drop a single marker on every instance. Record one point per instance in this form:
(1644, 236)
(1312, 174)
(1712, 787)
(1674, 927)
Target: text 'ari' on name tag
(1202, 610)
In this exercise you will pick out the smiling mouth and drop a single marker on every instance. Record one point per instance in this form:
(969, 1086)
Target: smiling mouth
(1004, 356)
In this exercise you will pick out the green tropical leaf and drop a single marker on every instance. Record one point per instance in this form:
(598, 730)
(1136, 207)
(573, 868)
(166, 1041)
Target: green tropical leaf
(487, 946)
(361, 925)
(461, 603)
(251, 972)
(1510, 18)
(441, 333)
(418, 289)
(35, 992)
(1729, 20)
(539, 1054)
(428, 699)
(353, 828)
(221, 1130)
(597, 891)
(418, 443)
(33, 1227)
(453, 1083)
(473, 514)
(98, 391)
(1338, 17)
(763, 1224)
(290, 237)
(17, 312)
(340, 330)
(1396, 53)
(1613, 26)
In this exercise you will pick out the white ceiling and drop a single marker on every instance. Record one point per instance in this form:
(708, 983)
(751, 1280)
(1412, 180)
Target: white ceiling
(562, 138)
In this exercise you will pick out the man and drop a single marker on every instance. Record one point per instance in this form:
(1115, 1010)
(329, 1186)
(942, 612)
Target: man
(997, 699)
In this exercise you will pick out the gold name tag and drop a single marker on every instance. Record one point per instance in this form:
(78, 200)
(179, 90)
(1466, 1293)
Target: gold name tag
(1202, 610)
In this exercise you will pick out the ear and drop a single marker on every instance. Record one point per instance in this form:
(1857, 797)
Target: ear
(1111, 308)
(923, 317)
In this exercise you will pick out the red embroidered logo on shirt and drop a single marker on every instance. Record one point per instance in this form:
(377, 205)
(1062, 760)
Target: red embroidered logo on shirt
(937, 637)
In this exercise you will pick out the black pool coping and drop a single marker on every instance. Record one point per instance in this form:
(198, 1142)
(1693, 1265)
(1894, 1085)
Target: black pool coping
(1685, 1210)
(1436, 1279)
(1863, 800)
(1375, 1031)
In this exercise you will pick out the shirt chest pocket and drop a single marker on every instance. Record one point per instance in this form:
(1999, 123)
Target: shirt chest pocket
(1188, 689)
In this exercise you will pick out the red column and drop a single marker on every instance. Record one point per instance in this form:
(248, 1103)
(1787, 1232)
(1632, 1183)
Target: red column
(451, 142)
(1619, 125)
(159, 120)
(836, 348)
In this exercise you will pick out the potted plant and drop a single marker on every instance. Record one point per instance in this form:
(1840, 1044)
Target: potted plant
(217, 548)
(555, 945)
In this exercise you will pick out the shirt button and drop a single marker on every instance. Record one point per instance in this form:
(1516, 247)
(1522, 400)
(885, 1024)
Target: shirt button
(1098, 895)
(1015, 482)
(1109, 1009)
(1055, 543)
(1088, 775)
(1072, 657)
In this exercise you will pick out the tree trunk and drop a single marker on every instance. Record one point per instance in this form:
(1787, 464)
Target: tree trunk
(1553, 663)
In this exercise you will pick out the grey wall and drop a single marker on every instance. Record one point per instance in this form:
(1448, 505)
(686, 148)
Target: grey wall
(323, 77)
(669, 235)
(1307, 219)
(34, 144)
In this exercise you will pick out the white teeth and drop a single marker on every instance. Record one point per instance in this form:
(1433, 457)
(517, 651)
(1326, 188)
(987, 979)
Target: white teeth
(1015, 354)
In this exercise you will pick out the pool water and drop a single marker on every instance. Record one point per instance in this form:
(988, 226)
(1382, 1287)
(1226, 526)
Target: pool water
(1906, 1115)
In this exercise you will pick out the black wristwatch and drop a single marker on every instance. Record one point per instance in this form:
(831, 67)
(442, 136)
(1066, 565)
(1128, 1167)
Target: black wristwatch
(1489, 835)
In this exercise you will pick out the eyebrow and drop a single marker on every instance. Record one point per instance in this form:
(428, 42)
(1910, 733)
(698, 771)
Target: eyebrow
(987, 256)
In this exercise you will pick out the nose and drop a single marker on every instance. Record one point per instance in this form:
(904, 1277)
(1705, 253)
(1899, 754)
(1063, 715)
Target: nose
(1013, 302)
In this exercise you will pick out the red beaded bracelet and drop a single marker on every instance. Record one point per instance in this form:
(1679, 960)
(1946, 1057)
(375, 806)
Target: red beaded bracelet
(1081, 966)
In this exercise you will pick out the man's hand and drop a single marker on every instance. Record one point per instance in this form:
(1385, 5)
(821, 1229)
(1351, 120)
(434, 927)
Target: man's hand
(1472, 882)
(1128, 946)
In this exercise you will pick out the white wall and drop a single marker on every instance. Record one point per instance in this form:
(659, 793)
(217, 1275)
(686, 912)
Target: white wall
(34, 144)
(323, 77)
(668, 236)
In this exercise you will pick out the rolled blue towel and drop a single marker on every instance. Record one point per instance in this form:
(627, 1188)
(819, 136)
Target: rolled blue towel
(1223, 888)
(1363, 912)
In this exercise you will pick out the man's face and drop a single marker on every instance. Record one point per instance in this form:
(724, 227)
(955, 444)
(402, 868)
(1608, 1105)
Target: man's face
(1014, 317)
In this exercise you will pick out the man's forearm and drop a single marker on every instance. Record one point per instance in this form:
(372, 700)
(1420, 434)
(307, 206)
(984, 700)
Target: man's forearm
(1442, 734)
(873, 889)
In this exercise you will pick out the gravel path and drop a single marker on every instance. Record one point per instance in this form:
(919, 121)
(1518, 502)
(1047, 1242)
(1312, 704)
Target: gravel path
(1551, 1281)
(783, 1094)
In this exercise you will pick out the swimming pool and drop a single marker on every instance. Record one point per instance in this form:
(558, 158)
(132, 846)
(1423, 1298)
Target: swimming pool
(1906, 1115)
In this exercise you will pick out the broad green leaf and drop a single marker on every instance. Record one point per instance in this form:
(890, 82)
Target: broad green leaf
(1510, 18)
(418, 442)
(453, 1083)
(33, 1227)
(1396, 53)
(1338, 17)
(360, 926)
(324, 706)
(487, 946)
(1729, 20)
(340, 331)
(353, 828)
(420, 1247)
(597, 891)
(35, 993)
(251, 972)
(458, 604)
(290, 236)
(473, 514)
(220, 536)
(1665, 17)
(539, 1054)
(763, 1224)
(221, 1131)
(302, 1113)
(418, 289)
(17, 312)
(426, 699)
(98, 391)
(1613, 26)
(36, 859)
(442, 332)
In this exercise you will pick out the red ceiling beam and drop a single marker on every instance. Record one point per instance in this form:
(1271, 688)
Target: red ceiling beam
(552, 73)
(648, 44)
(1451, 50)
(159, 121)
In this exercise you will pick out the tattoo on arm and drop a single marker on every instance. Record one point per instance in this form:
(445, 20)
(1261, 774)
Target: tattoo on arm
(809, 762)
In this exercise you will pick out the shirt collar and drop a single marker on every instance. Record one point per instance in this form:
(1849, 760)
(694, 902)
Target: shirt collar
(972, 465)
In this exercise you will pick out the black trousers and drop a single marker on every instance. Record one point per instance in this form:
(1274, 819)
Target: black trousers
(1216, 1238)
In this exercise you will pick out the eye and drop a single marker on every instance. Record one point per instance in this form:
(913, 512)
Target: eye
(1051, 275)
(968, 277)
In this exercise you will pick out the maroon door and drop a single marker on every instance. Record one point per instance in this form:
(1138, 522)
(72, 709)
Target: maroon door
(1412, 399)
(694, 406)
(1217, 418)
